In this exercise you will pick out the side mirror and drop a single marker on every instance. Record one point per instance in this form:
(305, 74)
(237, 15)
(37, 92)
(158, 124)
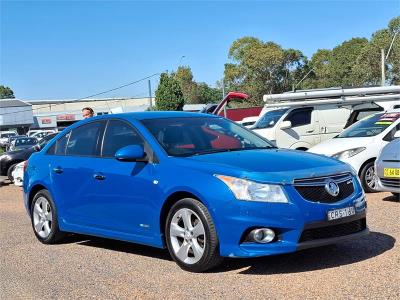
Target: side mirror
(285, 125)
(131, 153)
(397, 134)
(37, 148)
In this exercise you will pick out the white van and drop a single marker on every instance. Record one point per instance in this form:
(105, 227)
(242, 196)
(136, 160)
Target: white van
(301, 120)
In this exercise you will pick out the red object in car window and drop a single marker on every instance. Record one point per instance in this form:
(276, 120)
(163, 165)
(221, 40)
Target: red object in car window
(187, 146)
(222, 141)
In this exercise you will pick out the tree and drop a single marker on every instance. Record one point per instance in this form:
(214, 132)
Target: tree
(169, 95)
(6, 92)
(206, 94)
(259, 68)
(189, 88)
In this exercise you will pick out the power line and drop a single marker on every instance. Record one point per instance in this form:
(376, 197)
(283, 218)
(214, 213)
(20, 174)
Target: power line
(101, 93)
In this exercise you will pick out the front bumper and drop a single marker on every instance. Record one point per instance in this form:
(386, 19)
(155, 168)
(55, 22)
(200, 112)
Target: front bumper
(290, 221)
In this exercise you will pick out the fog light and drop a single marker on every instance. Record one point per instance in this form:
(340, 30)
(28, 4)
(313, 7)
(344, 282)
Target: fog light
(262, 235)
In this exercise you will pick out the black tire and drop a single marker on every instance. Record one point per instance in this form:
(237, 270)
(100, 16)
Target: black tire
(210, 257)
(397, 196)
(9, 172)
(55, 234)
(363, 177)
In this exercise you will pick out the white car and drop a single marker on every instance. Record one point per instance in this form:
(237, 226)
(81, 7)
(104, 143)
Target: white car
(360, 144)
(248, 121)
(4, 135)
(18, 174)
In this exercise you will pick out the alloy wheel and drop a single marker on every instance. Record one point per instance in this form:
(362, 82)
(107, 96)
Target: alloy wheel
(42, 217)
(370, 178)
(187, 236)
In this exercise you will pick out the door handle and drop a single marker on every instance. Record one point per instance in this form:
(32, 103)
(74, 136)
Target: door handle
(58, 170)
(99, 176)
(309, 131)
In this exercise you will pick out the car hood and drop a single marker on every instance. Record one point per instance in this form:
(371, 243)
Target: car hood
(271, 165)
(391, 151)
(268, 133)
(336, 145)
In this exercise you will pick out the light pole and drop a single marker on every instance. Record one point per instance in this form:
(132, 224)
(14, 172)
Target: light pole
(383, 59)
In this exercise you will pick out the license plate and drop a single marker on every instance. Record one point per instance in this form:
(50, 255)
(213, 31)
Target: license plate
(391, 172)
(341, 213)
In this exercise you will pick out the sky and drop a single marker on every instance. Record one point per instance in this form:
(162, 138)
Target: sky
(74, 49)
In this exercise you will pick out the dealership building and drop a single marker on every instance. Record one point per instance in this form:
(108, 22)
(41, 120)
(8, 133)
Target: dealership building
(51, 114)
(15, 114)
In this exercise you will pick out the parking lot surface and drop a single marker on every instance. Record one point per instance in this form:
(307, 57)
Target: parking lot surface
(87, 267)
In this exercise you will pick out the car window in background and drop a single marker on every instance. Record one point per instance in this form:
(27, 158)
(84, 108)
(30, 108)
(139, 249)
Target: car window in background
(25, 141)
(185, 137)
(300, 117)
(119, 134)
(370, 126)
(46, 139)
(83, 140)
(269, 119)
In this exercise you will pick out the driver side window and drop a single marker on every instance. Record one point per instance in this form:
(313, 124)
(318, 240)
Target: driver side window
(300, 117)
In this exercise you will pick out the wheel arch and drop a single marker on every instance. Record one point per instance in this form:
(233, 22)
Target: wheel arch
(33, 192)
(372, 159)
(169, 202)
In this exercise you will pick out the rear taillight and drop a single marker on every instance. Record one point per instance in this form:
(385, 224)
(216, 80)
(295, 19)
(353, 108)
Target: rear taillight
(26, 165)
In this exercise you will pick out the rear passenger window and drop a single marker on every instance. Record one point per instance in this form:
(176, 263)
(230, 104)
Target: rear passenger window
(300, 117)
(84, 140)
(119, 134)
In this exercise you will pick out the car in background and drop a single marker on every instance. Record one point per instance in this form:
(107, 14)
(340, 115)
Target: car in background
(22, 143)
(11, 139)
(9, 160)
(360, 144)
(387, 167)
(18, 174)
(200, 185)
(36, 131)
(4, 135)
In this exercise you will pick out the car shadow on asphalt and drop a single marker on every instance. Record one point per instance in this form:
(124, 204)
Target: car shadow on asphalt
(116, 245)
(326, 257)
(392, 198)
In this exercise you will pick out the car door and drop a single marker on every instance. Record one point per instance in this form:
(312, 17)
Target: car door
(123, 196)
(74, 159)
(304, 131)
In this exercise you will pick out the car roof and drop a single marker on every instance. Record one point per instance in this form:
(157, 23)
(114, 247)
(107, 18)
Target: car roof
(155, 115)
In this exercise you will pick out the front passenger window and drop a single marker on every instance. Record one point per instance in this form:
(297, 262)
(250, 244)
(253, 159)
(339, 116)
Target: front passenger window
(119, 134)
(300, 117)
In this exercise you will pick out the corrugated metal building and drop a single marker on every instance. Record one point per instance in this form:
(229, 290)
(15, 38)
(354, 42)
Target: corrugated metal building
(15, 113)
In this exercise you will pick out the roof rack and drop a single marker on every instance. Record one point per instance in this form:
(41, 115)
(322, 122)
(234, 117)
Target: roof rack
(334, 96)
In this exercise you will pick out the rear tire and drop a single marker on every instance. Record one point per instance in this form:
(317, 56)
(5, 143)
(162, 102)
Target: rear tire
(191, 237)
(368, 178)
(44, 218)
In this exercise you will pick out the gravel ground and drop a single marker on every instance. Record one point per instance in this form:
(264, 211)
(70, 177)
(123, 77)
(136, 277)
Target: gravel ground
(87, 267)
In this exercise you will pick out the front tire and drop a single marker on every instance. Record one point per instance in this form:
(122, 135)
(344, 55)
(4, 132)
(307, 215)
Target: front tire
(368, 178)
(9, 172)
(191, 237)
(44, 218)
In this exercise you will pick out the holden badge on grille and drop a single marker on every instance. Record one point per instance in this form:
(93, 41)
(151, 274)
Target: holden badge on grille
(332, 188)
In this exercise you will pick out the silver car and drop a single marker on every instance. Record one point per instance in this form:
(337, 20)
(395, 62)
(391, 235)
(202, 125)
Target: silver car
(387, 168)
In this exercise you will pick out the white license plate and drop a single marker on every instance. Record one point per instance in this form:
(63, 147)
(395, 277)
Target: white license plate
(341, 213)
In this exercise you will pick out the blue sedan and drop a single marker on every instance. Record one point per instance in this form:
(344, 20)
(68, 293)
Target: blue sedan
(200, 185)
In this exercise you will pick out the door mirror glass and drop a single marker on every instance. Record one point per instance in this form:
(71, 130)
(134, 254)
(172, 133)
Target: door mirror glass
(285, 125)
(131, 153)
(37, 147)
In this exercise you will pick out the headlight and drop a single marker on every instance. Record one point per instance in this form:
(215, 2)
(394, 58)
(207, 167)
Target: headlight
(252, 191)
(348, 153)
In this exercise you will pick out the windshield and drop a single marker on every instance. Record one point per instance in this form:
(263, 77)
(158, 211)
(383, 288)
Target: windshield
(7, 135)
(202, 135)
(269, 119)
(370, 126)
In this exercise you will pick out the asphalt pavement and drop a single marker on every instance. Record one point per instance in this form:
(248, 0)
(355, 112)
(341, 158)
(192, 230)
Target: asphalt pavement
(85, 267)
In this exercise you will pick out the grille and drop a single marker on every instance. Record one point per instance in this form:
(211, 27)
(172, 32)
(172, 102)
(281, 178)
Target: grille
(313, 189)
(391, 182)
(333, 231)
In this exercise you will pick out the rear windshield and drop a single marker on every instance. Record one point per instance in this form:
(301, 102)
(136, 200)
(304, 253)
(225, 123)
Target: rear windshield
(269, 119)
(370, 126)
(25, 141)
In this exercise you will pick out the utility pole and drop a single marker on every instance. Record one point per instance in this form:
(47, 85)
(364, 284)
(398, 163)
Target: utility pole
(150, 101)
(383, 67)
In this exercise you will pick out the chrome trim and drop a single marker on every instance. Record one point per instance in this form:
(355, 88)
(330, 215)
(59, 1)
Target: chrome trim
(321, 181)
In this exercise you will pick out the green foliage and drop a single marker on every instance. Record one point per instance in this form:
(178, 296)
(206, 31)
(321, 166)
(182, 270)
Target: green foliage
(169, 95)
(6, 92)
